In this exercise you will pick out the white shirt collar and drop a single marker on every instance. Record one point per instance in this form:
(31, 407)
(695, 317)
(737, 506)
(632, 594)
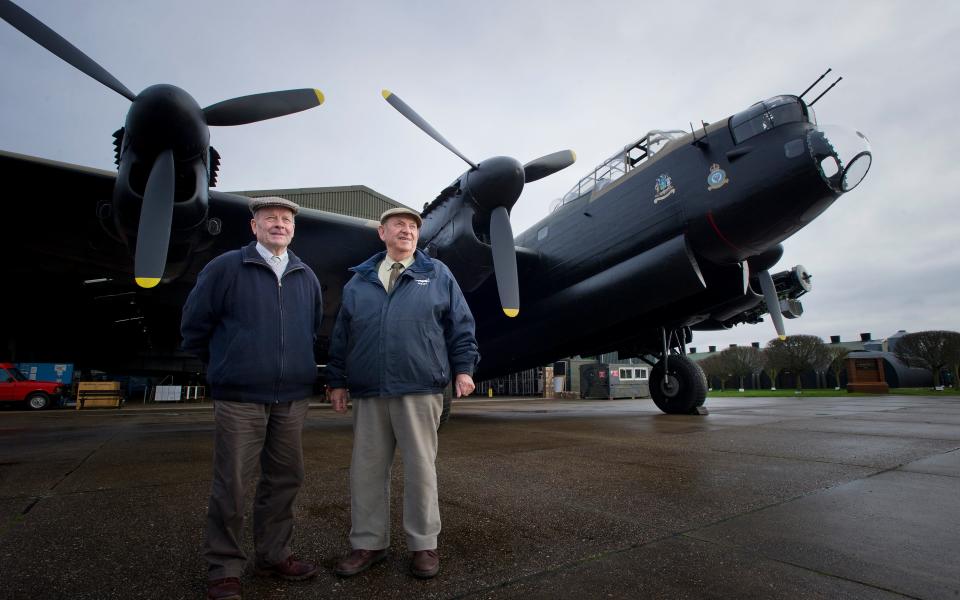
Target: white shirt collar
(388, 262)
(268, 256)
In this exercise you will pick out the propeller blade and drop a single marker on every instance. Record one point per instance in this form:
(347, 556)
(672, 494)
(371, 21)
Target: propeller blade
(31, 27)
(772, 301)
(505, 261)
(548, 165)
(260, 107)
(153, 233)
(417, 120)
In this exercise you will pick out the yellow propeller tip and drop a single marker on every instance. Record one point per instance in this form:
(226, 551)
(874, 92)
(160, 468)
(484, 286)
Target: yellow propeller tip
(147, 282)
(573, 155)
(386, 94)
(511, 312)
(782, 337)
(319, 95)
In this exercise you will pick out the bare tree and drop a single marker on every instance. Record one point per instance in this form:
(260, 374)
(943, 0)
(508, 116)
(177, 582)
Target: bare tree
(822, 357)
(931, 350)
(715, 367)
(743, 361)
(838, 360)
(796, 354)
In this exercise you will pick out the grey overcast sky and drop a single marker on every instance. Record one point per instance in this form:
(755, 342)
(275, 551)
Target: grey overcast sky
(526, 78)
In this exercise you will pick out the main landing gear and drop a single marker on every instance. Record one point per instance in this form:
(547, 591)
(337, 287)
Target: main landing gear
(677, 384)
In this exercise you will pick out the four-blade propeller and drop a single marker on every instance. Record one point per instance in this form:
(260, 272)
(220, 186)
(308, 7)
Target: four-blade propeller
(153, 233)
(496, 184)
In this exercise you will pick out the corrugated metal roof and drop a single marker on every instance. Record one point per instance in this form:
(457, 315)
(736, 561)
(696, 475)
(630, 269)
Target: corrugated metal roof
(352, 200)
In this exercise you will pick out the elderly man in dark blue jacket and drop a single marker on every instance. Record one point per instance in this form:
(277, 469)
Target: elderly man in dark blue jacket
(403, 332)
(253, 317)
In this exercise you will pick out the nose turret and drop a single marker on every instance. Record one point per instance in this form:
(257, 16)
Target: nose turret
(842, 155)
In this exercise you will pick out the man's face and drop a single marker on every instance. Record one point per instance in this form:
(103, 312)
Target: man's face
(400, 234)
(273, 227)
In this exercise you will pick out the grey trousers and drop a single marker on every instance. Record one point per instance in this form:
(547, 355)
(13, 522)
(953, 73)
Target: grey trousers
(246, 434)
(379, 426)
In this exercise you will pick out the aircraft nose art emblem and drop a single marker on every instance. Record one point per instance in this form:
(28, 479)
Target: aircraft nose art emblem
(717, 178)
(663, 188)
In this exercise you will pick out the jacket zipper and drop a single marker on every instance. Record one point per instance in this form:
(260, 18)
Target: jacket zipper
(290, 269)
(276, 395)
(383, 346)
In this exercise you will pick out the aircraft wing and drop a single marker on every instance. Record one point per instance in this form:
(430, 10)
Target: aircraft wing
(73, 277)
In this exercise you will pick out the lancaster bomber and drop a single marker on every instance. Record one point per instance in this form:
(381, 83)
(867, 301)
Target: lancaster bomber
(676, 232)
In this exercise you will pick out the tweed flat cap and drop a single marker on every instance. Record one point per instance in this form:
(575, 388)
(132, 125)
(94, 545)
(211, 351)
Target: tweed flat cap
(258, 203)
(401, 210)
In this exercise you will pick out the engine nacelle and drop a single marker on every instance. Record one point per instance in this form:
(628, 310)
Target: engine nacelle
(449, 234)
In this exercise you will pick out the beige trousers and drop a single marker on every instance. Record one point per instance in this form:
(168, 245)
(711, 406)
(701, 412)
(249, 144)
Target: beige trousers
(248, 434)
(379, 426)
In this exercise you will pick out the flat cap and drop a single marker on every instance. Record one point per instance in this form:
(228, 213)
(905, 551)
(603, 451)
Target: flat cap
(258, 203)
(401, 210)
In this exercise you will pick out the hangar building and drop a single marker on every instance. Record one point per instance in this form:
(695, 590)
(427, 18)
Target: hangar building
(351, 200)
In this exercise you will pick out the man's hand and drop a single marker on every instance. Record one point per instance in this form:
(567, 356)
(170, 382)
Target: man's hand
(338, 398)
(464, 385)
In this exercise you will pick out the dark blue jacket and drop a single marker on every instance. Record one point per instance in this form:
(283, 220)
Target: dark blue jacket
(407, 342)
(256, 334)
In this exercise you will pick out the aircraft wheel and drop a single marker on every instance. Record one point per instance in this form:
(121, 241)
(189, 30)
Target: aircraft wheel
(38, 401)
(681, 390)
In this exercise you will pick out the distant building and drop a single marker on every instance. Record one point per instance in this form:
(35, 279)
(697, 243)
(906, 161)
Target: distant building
(897, 374)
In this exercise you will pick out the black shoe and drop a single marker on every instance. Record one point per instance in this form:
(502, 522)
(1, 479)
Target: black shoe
(358, 561)
(425, 564)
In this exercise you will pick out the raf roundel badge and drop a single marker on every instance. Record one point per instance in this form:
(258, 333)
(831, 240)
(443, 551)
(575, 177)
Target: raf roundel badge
(717, 178)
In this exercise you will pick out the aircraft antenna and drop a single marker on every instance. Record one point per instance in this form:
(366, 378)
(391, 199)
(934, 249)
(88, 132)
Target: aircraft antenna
(815, 82)
(702, 141)
(825, 91)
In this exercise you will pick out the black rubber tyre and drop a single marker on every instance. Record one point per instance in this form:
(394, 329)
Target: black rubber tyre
(680, 391)
(38, 401)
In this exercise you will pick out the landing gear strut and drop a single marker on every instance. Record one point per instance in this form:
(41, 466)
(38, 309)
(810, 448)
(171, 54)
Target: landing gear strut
(677, 384)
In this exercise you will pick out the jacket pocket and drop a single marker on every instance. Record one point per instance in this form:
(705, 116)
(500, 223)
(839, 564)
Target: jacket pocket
(441, 378)
(238, 365)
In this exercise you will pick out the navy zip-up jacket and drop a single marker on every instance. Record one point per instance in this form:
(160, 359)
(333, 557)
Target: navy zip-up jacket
(256, 334)
(407, 342)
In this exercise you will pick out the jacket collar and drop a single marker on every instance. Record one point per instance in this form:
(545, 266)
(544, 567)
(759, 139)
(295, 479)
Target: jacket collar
(250, 254)
(368, 268)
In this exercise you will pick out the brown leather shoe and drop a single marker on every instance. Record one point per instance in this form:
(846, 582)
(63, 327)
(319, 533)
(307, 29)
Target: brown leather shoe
(358, 561)
(292, 569)
(425, 564)
(227, 588)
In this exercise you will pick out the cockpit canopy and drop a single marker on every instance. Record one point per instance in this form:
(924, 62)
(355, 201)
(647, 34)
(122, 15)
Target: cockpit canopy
(621, 163)
(764, 116)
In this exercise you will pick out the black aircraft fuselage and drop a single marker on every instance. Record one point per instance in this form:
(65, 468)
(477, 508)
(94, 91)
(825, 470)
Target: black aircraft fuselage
(668, 234)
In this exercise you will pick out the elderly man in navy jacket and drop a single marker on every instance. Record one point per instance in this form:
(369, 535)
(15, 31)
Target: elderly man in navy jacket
(403, 332)
(253, 317)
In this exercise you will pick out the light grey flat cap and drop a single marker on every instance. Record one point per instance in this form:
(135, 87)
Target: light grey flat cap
(258, 203)
(401, 210)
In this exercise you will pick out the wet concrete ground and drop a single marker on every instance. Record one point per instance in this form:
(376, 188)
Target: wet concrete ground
(762, 498)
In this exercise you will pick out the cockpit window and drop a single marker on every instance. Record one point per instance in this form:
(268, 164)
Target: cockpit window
(621, 163)
(764, 116)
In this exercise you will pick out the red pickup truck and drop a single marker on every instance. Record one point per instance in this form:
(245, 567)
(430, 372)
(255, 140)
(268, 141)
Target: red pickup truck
(15, 387)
